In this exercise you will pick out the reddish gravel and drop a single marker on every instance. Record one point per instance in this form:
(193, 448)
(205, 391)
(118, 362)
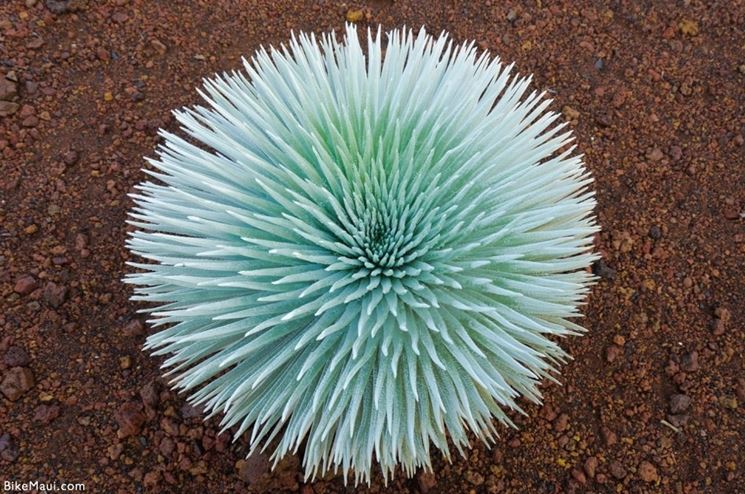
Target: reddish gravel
(655, 399)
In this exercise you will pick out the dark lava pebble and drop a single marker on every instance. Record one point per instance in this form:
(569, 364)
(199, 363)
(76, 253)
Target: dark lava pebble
(679, 403)
(601, 268)
(16, 356)
(16, 382)
(8, 448)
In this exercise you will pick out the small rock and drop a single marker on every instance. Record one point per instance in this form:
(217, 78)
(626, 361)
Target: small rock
(159, 46)
(27, 111)
(648, 472)
(8, 108)
(655, 233)
(600, 268)
(686, 89)
(609, 436)
(30, 122)
(115, 450)
(547, 412)
(149, 395)
(120, 17)
(426, 481)
(16, 356)
(167, 446)
(136, 473)
(16, 382)
(722, 317)
(676, 153)
(151, 479)
(655, 155)
(570, 112)
(253, 468)
(740, 389)
(617, 470)
(8, 89)
(689, 362)
(189, 411)
(672, 368)
(612, 353)
(70, 157)
(35, 43)
(679, 420)
(473, 477)
(130, 418)
(355, 15)
(731, 212)
(134, 328)
(46, 413)
(54, 294)
(688, 27)
(8, 449)
(63, 6)
(729, 402)
(25, 285)
(679, 403)
(125, 362)
(591, 466)
(81, 241)
(579, 476)
(169, 426)
(604, 119)
(561, 423)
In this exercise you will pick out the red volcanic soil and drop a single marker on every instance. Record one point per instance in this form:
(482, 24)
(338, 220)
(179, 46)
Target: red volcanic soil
(655, 91)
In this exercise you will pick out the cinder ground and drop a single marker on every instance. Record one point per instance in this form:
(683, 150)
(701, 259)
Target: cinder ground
(655, 399)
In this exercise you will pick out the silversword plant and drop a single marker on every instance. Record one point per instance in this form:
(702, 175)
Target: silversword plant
(364, 252)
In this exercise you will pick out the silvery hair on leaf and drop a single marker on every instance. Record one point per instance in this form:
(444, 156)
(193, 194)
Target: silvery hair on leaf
(364, 252)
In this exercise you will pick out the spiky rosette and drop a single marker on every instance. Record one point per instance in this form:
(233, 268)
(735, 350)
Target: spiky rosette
(365, 254)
